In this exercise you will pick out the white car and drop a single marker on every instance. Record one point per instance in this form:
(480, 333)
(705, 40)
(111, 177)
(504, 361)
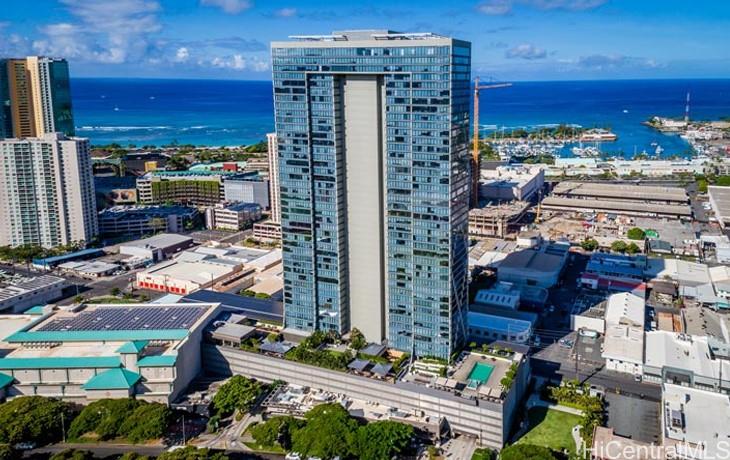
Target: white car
(293, 456)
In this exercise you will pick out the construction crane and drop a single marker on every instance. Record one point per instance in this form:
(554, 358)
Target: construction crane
(475, 149)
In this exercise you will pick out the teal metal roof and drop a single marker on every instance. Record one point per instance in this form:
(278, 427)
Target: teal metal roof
(133, 347)
(5, 380)
(97, 336)
(60, 362)
(157, 361)
(114, 379)
(37, 310)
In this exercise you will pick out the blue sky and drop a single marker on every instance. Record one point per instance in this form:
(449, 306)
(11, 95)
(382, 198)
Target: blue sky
(511, 39)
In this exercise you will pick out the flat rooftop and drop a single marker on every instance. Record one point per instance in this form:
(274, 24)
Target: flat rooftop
(111, 323)
(30, 285)
(161, 241)
(555, 202)
(721, 201)
(621, 191)
(197, 271)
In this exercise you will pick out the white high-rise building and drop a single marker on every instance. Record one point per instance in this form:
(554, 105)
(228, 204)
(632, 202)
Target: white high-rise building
(46, 191)
(274, 198)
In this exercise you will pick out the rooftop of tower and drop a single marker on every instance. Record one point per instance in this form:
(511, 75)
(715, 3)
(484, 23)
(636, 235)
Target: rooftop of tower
(367, 34)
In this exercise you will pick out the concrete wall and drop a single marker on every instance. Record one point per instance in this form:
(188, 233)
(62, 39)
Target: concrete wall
(363, 158)
(490, 422)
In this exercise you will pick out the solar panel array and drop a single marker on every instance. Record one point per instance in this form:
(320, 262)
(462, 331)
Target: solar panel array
(126, 319)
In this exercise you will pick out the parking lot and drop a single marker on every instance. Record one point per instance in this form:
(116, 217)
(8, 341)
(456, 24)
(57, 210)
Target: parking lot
(633, 417)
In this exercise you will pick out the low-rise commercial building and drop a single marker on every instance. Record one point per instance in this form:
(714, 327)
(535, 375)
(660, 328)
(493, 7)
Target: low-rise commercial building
(232, 216)
(683, 359)
(156, 248)
(94, 269)
(614, 272)
(189, 272)
(623, 344)
(508, 183)
(267, 231)
(89, 352)
(720, 201)
(539, 266)
(694, 423)
(141, 220)
(39, 290)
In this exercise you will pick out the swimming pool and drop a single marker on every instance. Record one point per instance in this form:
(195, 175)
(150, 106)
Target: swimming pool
(479, 374)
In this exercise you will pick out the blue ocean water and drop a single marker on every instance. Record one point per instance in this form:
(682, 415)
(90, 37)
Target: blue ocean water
(213, 112)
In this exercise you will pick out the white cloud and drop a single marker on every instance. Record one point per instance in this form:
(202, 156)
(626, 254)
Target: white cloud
(286, 12)
(182, 54)
(238, 62)
(502, 7)
(526, 51)
(111, 32)
(229, 6)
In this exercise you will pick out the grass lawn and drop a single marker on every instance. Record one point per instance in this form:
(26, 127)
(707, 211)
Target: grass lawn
(550, 428)
(264, 449)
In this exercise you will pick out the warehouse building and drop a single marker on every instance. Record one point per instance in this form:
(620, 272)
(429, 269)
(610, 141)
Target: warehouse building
(89, 352)
(156, 248)
(18, 297)
(634, 200)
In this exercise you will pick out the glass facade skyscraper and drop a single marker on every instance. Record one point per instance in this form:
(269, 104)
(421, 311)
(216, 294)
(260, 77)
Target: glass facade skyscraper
(372, 131)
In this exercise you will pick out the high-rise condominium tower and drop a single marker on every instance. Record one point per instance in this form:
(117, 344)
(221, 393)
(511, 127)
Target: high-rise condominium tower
(35, 96)
(274, 198)
(372, 133)
(46, 191)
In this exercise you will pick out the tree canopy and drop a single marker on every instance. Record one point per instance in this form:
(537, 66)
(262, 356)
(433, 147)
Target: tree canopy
(328, 433)
(238, 393)
(589, 244)
(618, 246)
(636, 234)
(32, 419)
(136, 421)
(382, 440)
(526, 452)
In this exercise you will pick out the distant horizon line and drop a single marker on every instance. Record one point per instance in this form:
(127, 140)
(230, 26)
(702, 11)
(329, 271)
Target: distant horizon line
(512, 80)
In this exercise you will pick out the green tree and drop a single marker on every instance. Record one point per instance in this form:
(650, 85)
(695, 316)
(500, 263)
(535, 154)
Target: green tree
(33, 419)
(618, 246)
(382, 440)
(115, 291)
(632, 248)
(589, 244)
(636, 234)
(526, 452)
(276, 431)
(192, 453)
(147, 422)
(357, 339)
(329, 433)
(484, 454)
(238, 393)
